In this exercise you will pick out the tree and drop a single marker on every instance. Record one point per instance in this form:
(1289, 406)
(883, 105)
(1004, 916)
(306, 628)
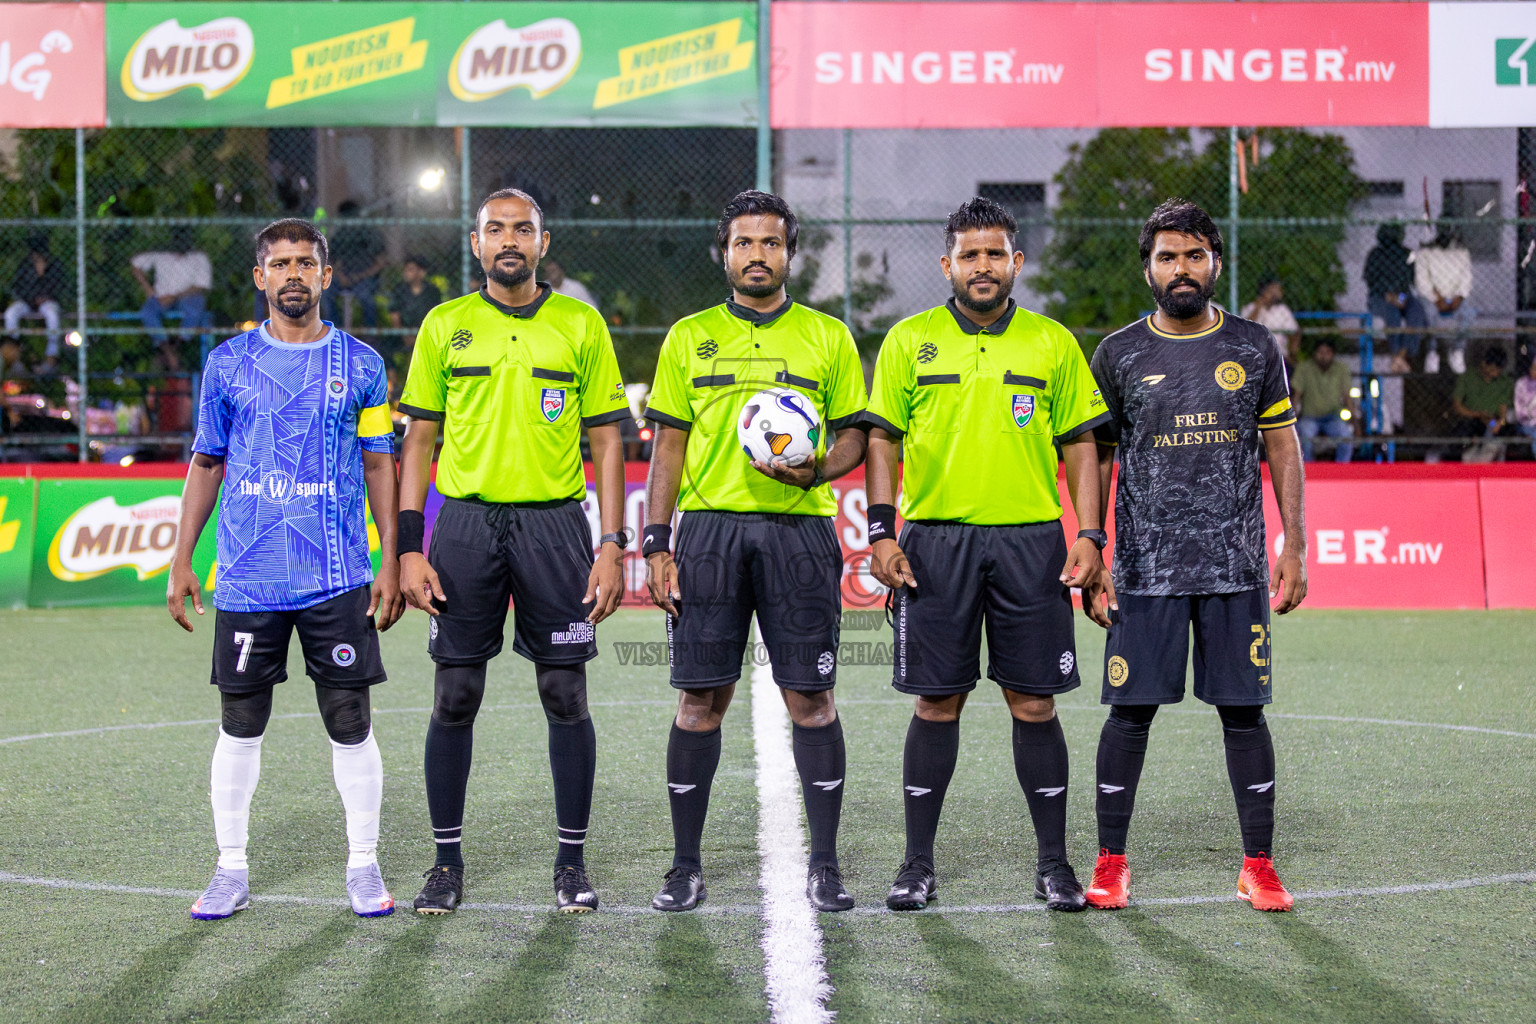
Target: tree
(1091, 268)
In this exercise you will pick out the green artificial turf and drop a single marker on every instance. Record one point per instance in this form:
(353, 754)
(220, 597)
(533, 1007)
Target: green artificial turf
(1361, 805)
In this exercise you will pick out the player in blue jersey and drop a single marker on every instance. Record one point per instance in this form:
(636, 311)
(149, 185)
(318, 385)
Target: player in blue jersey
(294, 426)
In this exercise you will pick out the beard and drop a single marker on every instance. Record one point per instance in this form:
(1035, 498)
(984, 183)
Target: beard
(295, 305)
(963, 296)
(510, 274)
(758, 291)
(1188, 305)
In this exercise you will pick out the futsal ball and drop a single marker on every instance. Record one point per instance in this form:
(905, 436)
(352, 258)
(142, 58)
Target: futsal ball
(779, 424)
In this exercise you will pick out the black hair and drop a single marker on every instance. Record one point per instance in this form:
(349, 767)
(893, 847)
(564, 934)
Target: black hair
(978, 213)
(753, 203)
(1324, 341)
(509, 193)
(420, 261)
(1268, 278)
(1183, 216)
(1494, 355)
(291, 229)
(37, 243)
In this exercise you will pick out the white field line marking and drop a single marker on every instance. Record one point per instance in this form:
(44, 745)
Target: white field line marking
(1486, 881)
(102, 729)
(793, 965)
(1204, 710)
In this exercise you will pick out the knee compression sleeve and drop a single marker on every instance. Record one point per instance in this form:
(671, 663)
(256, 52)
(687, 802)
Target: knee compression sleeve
(347, 713)
(245, 715)
(458, 692)
(563, 692)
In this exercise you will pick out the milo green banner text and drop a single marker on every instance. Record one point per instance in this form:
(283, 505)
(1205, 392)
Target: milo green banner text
(516, 64)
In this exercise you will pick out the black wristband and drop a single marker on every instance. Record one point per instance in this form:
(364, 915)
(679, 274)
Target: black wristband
(410, 529)
(882, 522)
(657, 538)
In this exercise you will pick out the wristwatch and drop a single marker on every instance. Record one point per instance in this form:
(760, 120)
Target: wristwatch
(1099, 537)
(621, 538)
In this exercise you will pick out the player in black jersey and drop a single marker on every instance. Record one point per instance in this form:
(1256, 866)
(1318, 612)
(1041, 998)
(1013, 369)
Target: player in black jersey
(1192, 390)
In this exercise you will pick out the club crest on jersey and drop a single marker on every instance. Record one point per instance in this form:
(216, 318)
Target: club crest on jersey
(707, 348)
(1023, 409)
(928, 352)
(1231, 376)
(336, 385)
(461, 339)
(552, 403)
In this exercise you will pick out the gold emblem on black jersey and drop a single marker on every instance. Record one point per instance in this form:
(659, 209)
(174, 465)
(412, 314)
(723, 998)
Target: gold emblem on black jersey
(1118, 671)
(1153, 378)
(1231, 376)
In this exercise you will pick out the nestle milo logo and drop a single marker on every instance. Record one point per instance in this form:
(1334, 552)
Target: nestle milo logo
(213, 56)
(104, 536)
(495, 58)
(1514, 61)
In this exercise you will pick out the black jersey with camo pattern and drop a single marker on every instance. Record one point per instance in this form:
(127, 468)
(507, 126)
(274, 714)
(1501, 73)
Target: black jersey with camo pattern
(1186, 414)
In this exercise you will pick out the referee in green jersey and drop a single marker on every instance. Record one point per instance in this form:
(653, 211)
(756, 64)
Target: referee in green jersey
(511, 374)
(979, 392)
(754, 537)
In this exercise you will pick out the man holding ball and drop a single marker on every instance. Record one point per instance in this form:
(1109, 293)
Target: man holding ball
(758, 536)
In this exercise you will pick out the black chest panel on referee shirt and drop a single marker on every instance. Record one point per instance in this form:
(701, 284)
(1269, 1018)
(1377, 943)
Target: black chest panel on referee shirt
(1186, 415)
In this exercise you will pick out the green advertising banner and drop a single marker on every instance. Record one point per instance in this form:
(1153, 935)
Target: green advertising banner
(17, 495)
(110, 541)
(512, 64)
(104, 541)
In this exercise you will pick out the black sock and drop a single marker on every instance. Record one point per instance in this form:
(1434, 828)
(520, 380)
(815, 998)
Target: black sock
(1122, 750)
(822, 760)
(927, 765)
(692, 758)
(450, 749)
(1040, 762)
(573, 763)
(1251, 767)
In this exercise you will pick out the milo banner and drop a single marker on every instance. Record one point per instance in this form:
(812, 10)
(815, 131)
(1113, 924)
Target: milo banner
(16, 497)
(524, 64)
(110, 541)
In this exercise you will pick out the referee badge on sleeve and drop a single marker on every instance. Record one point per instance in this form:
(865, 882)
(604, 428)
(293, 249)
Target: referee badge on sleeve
(1023, 409)
(553, 403)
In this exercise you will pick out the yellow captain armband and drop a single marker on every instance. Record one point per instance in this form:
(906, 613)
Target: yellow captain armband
(375, 422)
(1284, 405)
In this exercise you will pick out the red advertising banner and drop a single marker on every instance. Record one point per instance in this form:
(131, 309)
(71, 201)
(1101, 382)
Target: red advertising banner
(1270, 64)
(1389, 543)
(933, 65)
(52, 66)
(1029, 65)
(1509, 541)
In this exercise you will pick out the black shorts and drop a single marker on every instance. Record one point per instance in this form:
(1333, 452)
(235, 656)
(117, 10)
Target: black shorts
(1148, 648)
(1008, 577)
(341, 645)
(786, 568)
(539, 557)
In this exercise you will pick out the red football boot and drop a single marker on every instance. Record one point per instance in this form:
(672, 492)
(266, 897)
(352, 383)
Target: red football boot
(1111, 885)
(1258, 884)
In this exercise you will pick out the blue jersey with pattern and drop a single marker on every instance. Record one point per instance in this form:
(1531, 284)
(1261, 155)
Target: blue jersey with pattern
(284, 418)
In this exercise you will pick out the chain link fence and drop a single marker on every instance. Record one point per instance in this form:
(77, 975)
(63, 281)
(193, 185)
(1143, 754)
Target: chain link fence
(632, 212)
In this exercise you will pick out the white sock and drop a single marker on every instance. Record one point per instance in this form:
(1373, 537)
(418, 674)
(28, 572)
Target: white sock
(359, 775)
(236, 769)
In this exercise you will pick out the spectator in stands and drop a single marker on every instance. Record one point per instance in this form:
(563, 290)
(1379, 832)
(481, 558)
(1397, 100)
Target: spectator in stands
(1481, 403)
(36, 288)
(1270, 310)
(176, 279)
(1525, 402)
(1389, 289)
(11, 365)
(357, 257)
(1321, 385)
(412, 298)
(1442, 275)
(555, 274)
